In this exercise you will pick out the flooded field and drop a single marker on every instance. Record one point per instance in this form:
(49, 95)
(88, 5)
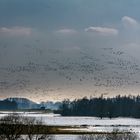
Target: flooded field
(84, 124)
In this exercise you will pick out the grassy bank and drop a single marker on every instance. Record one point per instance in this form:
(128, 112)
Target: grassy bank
(44, 129)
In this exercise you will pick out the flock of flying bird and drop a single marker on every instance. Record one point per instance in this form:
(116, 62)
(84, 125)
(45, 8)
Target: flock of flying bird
(110, 69)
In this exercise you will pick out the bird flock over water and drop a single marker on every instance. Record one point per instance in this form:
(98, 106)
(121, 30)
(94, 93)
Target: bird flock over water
(103, 68)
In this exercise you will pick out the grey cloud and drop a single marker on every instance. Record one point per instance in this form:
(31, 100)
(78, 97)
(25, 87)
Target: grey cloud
(130, 22)
(66, 31)
(16, 31)
(105, 31)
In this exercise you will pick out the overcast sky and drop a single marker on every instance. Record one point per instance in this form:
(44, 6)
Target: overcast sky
(52, 49)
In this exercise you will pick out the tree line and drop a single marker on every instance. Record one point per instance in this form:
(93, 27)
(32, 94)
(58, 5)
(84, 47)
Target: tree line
(119, 106)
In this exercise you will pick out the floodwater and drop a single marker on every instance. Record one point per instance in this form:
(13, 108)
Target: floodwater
(91, 124)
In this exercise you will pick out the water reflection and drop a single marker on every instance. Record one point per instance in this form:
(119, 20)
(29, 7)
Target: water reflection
(113, 136)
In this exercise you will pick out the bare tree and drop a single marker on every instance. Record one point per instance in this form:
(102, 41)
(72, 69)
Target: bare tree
(11, 128)
(30, 135)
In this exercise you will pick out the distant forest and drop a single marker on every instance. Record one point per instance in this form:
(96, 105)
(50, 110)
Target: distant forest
(125, 106)
(8, 105)
(119, 106)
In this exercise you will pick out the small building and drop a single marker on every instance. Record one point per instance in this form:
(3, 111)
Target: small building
(42, 108)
